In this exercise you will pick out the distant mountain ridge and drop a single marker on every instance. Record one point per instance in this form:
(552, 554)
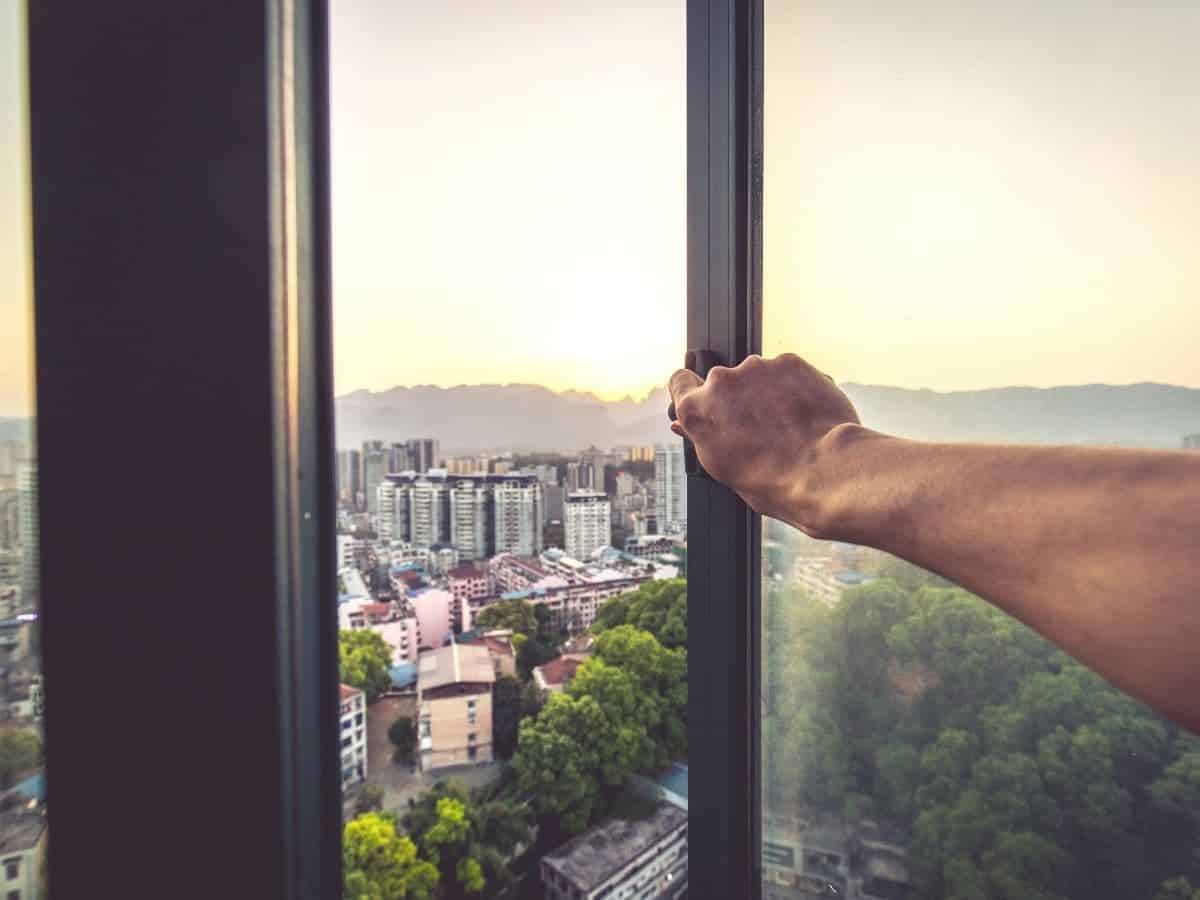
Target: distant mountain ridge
(485, 417)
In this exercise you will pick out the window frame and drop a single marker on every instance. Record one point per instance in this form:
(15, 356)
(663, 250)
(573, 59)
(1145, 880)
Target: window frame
(254, 132)
(180, 214)
(724, 314)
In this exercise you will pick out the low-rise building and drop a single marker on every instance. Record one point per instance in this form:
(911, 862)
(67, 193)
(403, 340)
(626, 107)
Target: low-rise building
(434, 609)
(499, 646)
(403, 636)
(622, 860)
(650, 546)
(454, 703)
(353, 735)
(554, 676)
(22, 846)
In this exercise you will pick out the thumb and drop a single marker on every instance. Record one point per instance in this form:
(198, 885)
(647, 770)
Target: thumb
(682, 383)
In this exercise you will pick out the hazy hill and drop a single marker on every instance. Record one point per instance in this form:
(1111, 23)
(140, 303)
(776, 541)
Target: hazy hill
(528, 417)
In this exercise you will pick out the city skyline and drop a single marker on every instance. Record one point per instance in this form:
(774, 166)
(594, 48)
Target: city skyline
(534, 218)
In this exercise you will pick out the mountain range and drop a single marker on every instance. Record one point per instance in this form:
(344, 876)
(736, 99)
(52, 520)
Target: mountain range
(491, 417)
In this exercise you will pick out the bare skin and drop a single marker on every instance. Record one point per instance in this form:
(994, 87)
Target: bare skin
(1096, 549)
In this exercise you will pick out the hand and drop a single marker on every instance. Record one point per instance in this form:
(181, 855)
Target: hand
(758, 428)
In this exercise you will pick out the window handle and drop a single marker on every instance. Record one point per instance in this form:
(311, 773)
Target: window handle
(700, 362)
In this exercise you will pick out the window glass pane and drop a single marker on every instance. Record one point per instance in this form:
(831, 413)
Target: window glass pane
(22, 706)
(981, 219)
(509, 274)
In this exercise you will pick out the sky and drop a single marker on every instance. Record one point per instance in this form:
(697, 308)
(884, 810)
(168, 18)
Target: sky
(959, 193)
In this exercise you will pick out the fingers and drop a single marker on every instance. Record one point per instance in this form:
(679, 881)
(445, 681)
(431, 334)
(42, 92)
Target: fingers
(681, 384)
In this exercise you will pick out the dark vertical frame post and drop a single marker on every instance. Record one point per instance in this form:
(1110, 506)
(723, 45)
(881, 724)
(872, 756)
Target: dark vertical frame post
(181, 280)
(724, 139)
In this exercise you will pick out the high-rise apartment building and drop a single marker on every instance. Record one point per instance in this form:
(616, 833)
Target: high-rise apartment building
(552, 507)
(518, 516)
(588, 523)
(670, 489)
(349, 475)
(375, 459)
(470, 519)
(27, 513)
(478, 514)
(581, 476)
(422, 455)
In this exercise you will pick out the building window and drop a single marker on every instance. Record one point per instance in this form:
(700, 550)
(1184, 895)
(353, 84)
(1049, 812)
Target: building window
(12, 868)
(472, 752)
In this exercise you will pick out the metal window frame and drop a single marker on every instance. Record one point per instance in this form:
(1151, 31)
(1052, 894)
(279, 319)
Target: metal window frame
(724, 314)
(181, 219)
(180, 201)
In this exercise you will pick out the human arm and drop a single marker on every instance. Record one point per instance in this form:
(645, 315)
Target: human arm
(1097, 549)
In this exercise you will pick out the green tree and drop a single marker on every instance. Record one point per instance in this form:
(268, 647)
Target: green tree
(659, 607)
(20, 750)
(506, 715)
(536, 651)
(403, 734)
(381, 864)
(1177, 889)
(515, 615)
(365, 661)
(369, 799)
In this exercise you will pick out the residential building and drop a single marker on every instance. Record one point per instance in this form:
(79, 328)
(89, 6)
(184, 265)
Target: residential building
(374, 467)
(626, 484)
(349, 475)
(622, 860)
(435, 611)
(582, 477)
(588, 523)
(468, 582)
(22, 848)
(517, 515)
(470, 519)
(649, 546)
(429, 511)
(502, 466)
(596, 460)
(402, 635)
(463, 465)
(454, 703)
(670, 489)
(552, 505)
(27, 512)
(641, 454)
(350, 550)
(1191, 442)
(442, 558)
(353, 735)
(554, 676)
(546, 473)
(499, 646)
(351, 585)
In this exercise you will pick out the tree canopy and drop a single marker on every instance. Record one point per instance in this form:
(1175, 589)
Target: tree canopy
(20, 749)
(515, 615)
(365, 661)
(659, 607)
(1017, 772)
(382, 864)
(624, 711)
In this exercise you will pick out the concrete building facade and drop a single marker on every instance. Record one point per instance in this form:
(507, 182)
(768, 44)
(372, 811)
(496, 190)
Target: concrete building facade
(588, 522)
(454, 705)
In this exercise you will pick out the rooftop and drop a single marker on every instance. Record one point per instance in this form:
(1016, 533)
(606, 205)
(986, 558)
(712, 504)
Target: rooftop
(455, 664)
(591, 858)
(559, 671)
(20, 830)
(495, 643)
(347, 692)
(465, 571)
(675, 779)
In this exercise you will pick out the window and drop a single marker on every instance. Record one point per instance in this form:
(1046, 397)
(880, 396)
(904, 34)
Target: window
(14, 895)
(12, 868)
(979, 218)
(512, 213)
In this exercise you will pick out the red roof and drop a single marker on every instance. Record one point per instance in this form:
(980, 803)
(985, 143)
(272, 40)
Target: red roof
(348, 693)
(410, 578)
(376, 610)
(559, 671)
(465, 571)
(494, 644)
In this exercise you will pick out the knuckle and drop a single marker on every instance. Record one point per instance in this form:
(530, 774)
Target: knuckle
(687, 410)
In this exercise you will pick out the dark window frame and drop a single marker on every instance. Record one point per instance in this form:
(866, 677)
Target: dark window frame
(724, 314)
(182, 276)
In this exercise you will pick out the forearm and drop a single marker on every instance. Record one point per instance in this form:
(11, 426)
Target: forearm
(1096, 549)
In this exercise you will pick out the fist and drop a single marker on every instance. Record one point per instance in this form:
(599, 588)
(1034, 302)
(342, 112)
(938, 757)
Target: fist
(757, 427)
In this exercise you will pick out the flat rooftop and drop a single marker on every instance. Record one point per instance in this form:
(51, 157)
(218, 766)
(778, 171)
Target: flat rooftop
(593, 857)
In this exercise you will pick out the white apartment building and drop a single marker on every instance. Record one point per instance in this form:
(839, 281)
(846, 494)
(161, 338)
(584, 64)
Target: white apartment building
(622, 860)
(353, 735)
(518, 517)
(27, 513)
(429, 507)
(670, 489)
(469, 519)
(588, 523)
(349, 548)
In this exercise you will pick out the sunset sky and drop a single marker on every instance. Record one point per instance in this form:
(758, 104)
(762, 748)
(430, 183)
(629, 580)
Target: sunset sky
(959, 195)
